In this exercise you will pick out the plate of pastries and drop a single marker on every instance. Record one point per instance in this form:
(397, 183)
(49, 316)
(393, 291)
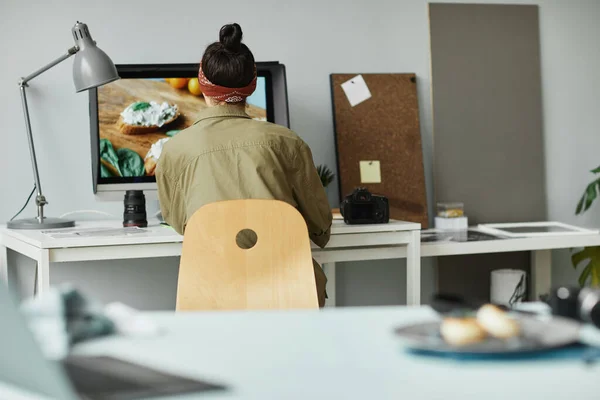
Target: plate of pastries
(488, 329)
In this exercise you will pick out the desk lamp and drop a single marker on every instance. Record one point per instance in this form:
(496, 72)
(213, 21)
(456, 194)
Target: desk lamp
(91, 68)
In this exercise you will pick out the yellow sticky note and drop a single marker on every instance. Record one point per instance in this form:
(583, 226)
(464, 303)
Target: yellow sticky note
(370, 172)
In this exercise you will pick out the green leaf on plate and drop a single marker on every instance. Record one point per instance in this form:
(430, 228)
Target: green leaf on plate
(127, 162)
(105, 172)
(108, 153)
(140, 105)
(130, 163)
(173, 132)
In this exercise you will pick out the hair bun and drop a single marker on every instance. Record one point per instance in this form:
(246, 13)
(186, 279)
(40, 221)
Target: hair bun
(230, 37)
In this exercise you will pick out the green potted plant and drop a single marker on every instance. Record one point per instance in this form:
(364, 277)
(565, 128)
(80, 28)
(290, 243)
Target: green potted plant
(589, 257)
(326, 175)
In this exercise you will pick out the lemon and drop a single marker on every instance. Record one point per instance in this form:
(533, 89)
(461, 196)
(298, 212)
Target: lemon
(194, 87)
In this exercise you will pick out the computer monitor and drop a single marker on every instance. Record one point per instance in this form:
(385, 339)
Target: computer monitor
(125, 148)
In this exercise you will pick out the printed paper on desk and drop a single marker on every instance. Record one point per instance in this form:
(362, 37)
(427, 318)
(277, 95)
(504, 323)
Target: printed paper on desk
(356, 90)
(93, 232)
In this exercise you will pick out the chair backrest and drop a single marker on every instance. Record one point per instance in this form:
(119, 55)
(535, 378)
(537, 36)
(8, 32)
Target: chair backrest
(215, 273)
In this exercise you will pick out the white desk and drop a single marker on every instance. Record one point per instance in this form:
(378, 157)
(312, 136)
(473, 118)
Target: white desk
(344, 353)
(540, 248)
(348, 243)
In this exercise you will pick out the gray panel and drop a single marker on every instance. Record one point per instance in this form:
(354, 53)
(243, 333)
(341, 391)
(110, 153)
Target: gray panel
(488, 133)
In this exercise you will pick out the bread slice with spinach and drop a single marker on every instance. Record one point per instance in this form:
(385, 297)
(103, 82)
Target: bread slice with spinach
(145, 117)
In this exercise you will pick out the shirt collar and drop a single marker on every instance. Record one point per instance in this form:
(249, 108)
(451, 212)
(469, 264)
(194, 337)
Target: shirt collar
(224, 111)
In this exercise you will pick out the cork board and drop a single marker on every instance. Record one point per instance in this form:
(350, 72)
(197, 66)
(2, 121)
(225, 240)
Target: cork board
(383, 128)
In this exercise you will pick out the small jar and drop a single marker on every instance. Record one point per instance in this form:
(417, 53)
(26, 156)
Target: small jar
(450, 210)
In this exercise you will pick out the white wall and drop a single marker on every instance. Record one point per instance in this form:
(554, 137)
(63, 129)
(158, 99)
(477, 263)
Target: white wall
(314, 39)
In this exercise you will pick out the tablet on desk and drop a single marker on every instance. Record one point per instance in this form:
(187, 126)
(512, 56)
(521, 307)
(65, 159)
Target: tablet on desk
(110, 378)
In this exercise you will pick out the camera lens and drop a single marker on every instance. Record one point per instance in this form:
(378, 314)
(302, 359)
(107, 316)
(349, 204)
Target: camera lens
(134, 213)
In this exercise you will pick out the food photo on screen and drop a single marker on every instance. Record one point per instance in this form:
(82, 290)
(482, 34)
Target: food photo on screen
(136, 117)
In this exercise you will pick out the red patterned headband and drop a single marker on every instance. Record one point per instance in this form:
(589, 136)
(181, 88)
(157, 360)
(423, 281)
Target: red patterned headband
(222, 93)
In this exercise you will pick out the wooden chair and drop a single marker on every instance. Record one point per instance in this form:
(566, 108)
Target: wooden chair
(276, 273)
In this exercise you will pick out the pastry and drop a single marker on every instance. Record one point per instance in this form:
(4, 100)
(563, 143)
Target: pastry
(461, 331)
(496, 322)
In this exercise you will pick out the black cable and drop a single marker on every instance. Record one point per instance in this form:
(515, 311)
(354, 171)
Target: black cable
(26, 203)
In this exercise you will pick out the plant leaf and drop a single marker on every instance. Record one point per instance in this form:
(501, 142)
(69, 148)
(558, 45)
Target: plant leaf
(595, 278)
(591, 271)
(595, 263)
(580, 205)
(325, 175)
(590, 194)
(585, 274)
(579, 257)
(596, 170)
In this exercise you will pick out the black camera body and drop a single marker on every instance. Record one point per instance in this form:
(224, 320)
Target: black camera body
(580, 304)
(362, 207)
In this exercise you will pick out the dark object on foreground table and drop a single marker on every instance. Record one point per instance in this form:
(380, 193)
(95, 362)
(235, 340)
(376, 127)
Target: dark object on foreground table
(581, 304)
(362, 207)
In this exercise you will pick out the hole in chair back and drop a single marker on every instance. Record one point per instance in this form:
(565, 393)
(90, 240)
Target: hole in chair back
(246, 239)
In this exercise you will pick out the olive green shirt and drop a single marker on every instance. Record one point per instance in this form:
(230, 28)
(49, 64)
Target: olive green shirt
(226, 155)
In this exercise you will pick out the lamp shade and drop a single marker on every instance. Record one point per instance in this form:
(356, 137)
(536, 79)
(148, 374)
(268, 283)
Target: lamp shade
(92, 67)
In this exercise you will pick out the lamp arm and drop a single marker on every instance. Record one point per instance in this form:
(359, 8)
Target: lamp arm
(40, 200)
(45, 68)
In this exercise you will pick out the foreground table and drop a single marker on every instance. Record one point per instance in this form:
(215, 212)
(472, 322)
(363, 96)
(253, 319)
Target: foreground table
(343, 353)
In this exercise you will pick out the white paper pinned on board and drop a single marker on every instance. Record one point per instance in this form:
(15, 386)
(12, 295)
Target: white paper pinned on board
(356, 90)
(370, 171)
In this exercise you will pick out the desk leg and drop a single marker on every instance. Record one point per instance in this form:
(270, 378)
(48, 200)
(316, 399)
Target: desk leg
(43, 272)
(4, 264)
(541, 273)
(413, 270)
(329, 270)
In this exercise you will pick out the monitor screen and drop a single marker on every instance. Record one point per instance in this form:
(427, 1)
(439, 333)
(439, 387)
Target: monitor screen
(139, 113)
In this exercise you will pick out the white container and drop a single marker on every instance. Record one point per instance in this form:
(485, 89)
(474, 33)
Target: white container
(452, 224)
(508, 286)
